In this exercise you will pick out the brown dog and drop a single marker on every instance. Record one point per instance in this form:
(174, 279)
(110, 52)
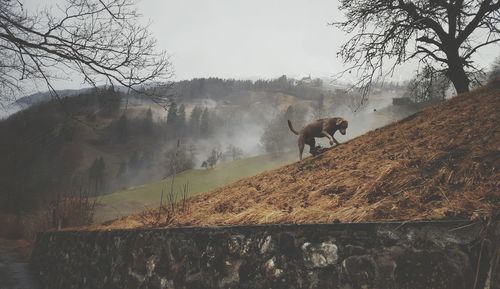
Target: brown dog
(324, 127)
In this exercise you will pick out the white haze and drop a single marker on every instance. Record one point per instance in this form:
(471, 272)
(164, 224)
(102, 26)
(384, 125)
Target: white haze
(246, 137)
(246, 134)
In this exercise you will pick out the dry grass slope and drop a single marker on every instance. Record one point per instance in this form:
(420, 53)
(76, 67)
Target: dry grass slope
(440, 163)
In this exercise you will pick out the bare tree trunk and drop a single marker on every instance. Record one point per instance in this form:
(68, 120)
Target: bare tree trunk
(457, 74)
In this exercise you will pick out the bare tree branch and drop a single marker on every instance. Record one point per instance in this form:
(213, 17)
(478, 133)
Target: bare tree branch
(394, 31)
(101, 40)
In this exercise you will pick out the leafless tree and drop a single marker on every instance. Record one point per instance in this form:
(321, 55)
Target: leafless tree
(428, 85)
(442, 33)
(101, 40)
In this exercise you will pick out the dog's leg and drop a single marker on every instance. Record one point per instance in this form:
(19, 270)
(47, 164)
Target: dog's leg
(336, 142)
(330, 137)
(312, 146)
(301, 147)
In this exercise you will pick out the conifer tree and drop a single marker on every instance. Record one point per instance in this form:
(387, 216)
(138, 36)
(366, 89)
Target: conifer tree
(194, 120)
(172, 119)
(181, 118)
(147, 124)
(205, 123)
(122, 129)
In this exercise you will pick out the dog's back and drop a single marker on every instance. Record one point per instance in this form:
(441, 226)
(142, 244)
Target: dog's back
(324, 127)
(314, 129)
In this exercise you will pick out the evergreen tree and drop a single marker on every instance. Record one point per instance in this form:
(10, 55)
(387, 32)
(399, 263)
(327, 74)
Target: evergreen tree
(181, 118)
(172, 119)
(97, 174)
(109, 102)
(122, 129)
(276, 138)
(147, 124)
(172, 114)
(205, 123)
(122, 170)
(194, 120)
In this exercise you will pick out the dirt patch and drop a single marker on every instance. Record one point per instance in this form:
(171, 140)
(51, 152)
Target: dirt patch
(441, 163)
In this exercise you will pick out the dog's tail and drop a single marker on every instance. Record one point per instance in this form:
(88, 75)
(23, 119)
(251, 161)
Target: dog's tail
(291, 128)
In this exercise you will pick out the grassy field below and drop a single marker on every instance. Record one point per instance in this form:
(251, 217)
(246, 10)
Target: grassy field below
(135, 199)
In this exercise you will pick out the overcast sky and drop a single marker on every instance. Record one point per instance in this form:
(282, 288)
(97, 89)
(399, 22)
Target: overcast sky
(241, 39)
(249, 39)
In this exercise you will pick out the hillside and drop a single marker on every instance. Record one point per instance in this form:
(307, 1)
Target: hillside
(439, 163)
(49, 149)
(134, 199)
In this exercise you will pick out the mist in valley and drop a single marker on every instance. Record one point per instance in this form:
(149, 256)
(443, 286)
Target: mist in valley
(242, 118)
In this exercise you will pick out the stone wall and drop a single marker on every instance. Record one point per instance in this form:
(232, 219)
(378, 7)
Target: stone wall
(442, 255)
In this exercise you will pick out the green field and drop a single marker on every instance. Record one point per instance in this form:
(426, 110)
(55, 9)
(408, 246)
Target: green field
(122, 203)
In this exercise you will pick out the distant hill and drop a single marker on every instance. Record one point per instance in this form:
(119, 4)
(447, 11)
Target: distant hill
(50, 148)
(441, 163)
(43, 97)
(40, 97)
(36, 98)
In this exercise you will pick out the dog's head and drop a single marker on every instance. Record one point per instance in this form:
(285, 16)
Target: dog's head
(341, 125)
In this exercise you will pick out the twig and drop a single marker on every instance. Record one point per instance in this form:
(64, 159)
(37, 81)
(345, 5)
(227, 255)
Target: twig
(462, 227)
(161, 206)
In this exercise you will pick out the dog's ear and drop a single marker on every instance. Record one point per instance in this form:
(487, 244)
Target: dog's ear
(339, 121)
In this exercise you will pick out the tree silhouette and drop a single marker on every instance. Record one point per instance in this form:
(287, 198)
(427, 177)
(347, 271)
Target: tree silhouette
(234, 152)
(147, 123)
(101, 40)
(109, 102)
(194, 120)
(277, 138)
(213, 158)
(97, 174)
(122, 129)
(428, 85)
(205, 128)
(444, 34)
(181, 118)
(172, 119)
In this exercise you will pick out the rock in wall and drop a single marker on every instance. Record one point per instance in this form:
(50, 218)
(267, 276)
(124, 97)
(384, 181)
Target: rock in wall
(454, 255)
